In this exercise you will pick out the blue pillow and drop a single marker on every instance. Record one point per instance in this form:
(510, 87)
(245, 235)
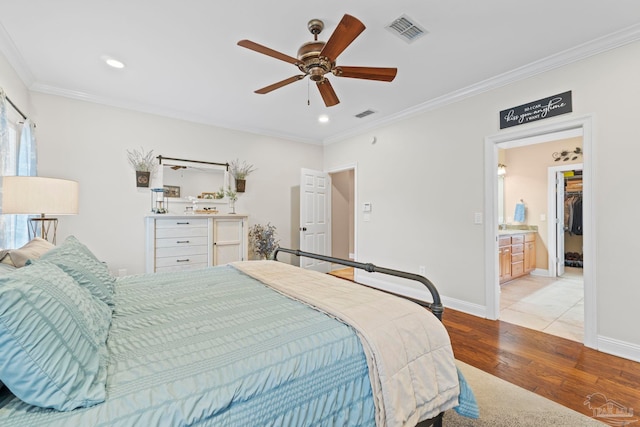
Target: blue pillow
(53, 338)
(79, 262)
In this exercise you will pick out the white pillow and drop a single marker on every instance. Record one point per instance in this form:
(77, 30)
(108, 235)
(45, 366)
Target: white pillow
(32, 250)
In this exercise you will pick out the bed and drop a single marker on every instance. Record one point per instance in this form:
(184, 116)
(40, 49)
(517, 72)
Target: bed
(251, 343)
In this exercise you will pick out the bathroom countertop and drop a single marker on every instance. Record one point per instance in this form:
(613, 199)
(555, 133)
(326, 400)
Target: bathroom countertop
(509, 232)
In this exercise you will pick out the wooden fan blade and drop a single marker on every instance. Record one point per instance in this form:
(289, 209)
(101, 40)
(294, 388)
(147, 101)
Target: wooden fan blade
(328, 94)
(347, 30)
(369, 73)
(267, 51)
(278, 85)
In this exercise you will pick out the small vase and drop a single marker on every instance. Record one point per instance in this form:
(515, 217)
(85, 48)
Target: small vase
(142, 178)
(232, 206)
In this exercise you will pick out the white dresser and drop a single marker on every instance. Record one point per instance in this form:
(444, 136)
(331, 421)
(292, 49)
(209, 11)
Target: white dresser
(194, 241)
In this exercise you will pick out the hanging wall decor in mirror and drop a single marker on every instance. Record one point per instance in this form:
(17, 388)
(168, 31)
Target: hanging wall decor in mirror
(185, 181)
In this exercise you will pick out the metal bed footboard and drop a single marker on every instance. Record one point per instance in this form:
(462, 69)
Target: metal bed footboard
(435, 307)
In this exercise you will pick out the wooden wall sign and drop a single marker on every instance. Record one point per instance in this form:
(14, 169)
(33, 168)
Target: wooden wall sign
(537, 110)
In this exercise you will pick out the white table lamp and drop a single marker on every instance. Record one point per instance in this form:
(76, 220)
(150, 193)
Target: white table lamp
(33, 195)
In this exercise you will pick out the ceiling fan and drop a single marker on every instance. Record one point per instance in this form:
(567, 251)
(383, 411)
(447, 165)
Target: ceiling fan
(316, 59)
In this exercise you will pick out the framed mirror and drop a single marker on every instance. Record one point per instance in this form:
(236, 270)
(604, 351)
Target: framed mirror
(183, 180)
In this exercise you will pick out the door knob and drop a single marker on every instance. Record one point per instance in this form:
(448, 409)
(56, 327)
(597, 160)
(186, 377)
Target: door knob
(303, 228)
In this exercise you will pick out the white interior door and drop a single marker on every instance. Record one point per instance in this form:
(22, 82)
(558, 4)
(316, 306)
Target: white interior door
(560, 223)
(314, 217)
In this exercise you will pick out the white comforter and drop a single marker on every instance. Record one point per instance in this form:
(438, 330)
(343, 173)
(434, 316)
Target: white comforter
(411, 363)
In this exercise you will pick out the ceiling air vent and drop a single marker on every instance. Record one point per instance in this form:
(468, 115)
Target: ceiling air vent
(364, 113)
(406, 28)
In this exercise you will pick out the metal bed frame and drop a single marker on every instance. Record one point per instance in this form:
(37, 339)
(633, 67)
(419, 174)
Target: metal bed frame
(435, 307)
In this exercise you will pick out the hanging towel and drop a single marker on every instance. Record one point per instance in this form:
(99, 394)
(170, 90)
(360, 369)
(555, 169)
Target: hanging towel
(519, 215)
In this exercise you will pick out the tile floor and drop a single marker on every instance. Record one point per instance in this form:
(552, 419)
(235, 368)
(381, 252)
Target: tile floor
(551, 305)
(554, 305)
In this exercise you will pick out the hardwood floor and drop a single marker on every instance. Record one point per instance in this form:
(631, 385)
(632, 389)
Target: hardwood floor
(559, 369)
(343, 273)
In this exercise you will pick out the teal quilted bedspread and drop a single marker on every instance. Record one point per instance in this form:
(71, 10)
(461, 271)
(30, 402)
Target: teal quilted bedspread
(216, 347)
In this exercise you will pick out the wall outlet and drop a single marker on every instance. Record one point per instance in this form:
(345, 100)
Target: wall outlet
(422, 270)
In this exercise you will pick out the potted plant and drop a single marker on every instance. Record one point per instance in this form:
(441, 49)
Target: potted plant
(233, 196)
(240, 172)
(262, 240)
(220, 193)
(144, 164)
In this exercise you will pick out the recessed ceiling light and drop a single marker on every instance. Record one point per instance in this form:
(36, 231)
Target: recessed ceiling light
(113, 62)
(323, 118)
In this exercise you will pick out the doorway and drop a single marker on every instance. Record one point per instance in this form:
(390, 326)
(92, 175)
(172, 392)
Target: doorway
(549, 299)
(539, 134)
(343, 214)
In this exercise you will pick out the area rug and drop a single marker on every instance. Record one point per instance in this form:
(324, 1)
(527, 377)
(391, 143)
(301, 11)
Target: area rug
(504, 404)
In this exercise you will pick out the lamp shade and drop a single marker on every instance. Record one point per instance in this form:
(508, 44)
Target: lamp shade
(39, 195)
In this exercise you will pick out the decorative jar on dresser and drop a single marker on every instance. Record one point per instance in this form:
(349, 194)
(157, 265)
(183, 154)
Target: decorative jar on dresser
(181, 242)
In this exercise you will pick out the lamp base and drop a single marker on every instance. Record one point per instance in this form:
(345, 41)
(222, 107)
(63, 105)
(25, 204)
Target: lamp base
(45, 226)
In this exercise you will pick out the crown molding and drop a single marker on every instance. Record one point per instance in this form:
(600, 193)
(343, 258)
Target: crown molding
(625, 36)
(15, 59)
(164, 112)
(620, 38)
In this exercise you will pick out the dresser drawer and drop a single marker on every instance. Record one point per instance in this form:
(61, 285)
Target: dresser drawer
(517, 238)
(516, 249)
(164, 233)
(181, 223)
(184, 266)
(517, 268)
(180, 251)
(504, 240)
(181, 261)
(182, 241)
(517, 257)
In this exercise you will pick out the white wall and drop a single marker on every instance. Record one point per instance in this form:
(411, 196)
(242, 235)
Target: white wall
(425, 178)
(87, 142)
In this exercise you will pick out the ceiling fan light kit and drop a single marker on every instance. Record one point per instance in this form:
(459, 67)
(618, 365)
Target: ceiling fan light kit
(317, 58)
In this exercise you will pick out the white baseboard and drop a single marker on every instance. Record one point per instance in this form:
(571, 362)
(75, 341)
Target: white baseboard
(370, 280)
(540, 272)
(465, 307)
(606, 345)
(619, 348)
(420, 294)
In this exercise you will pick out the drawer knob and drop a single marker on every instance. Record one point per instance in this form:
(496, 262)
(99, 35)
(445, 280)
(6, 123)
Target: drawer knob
(182, 223)
(182, 241)
(182, 260)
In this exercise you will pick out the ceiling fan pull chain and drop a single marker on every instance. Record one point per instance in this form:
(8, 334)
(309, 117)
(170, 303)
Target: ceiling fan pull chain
(308, 94)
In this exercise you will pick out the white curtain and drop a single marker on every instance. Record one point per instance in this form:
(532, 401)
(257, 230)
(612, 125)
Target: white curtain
(27, 153)
(17, 157)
